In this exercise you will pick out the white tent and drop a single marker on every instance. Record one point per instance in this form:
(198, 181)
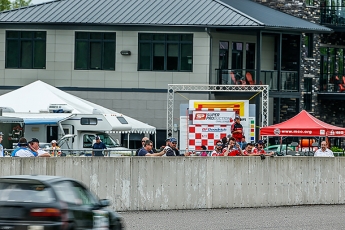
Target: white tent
(37, 96)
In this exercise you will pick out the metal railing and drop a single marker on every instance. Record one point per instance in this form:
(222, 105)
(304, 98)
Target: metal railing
(331, 83)
(334, 15)
(84, 153)
(288, 79)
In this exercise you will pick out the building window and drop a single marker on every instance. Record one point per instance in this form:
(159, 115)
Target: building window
(308, 43)
(94, 51)
(26, 49)
(165, 52)
(237, 55)
(309, 2)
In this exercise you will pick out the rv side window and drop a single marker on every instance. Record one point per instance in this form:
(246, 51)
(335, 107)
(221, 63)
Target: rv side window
(122, 120)
(88, 121)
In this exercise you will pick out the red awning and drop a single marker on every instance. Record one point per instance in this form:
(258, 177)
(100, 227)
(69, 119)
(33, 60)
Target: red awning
(303, 125)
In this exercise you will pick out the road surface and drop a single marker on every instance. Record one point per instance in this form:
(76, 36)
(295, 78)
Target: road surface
(328, 217)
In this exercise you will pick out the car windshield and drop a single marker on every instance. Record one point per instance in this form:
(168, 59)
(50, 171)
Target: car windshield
(108, 140)
(28, 191)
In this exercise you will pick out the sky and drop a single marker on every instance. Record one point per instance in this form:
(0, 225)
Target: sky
(39, 1)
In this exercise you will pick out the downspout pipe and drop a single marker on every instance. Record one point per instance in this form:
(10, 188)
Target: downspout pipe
(207, 30)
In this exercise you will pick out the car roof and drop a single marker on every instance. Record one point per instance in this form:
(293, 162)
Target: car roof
(42, 178)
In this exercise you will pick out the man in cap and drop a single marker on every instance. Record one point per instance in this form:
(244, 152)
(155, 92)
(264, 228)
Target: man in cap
(23, 150)
(167, 144)
(259, 150)
(1, 147)
(237, 130)
(34, 145)
(98, 147)
(172, 149)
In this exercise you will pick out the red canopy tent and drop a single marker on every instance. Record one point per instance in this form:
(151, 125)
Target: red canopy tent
(303, 125)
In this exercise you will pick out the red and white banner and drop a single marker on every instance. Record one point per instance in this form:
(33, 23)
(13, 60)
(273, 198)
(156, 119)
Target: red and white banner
(206, 135)
(213, 117)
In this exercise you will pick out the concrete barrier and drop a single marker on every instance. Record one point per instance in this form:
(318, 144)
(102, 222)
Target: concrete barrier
(155, 183)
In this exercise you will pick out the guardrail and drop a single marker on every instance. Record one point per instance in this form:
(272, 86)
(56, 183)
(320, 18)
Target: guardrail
(83, 152)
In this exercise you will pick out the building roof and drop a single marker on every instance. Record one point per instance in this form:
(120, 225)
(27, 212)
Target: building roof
(200, 13)
(272, 18)
(53, 95)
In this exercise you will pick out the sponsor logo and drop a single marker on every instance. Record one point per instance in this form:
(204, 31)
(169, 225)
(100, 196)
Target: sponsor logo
(200, 116)
(276, 131)
(217, 130)
(322, 132)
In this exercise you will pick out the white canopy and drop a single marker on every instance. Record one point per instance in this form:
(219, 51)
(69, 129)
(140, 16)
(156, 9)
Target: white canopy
(37, 96)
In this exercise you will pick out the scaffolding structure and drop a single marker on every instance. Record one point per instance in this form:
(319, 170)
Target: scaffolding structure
(173, 88)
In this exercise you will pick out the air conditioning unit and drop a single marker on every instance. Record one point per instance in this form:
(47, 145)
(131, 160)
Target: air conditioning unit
(59, 108)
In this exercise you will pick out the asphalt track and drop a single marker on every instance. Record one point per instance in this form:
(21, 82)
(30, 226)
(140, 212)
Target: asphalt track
(316, 217)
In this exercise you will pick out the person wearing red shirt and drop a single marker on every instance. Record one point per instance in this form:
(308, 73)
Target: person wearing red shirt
(233, 149)
(248, 150)
(259, 150)
(237, 129)
(218, 150)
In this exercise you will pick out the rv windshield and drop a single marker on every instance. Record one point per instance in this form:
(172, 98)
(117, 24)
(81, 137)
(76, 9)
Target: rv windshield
(108, 140)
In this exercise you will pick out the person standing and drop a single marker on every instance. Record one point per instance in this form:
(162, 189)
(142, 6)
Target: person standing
(243, 142)
(259, 150)
(237, 130)
(54, 149)
(323, 151)
(142, 145)
(172, 149)
(98, 147)
(147, 151)
(23, 150)
(248, 150)
(1, 147)
(233, 148)
(34, 145)
(218, 150)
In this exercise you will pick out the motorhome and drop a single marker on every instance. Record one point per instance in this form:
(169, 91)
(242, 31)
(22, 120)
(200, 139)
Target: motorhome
(55, 124)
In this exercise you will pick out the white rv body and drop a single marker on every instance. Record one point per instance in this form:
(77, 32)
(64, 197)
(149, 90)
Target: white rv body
(53, 126)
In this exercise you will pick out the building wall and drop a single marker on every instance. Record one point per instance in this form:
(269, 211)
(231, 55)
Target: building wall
(60, 65)
(310, 67)
(148, 106)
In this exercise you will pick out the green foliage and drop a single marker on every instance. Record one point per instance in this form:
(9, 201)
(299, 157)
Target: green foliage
(336, 149)
(20, 3)
(7, 5)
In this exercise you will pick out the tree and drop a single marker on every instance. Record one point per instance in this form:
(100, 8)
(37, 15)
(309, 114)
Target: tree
(7, 5)
(20, 3)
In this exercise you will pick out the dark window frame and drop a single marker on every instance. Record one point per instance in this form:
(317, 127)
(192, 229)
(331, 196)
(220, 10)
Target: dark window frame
(20, 39)
(309, 43)
(87, 121)
(309, 2)
(101, 41)
(122, 120)
(152, 41)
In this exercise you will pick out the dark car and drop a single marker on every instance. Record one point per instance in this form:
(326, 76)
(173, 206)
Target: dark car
(50, 202)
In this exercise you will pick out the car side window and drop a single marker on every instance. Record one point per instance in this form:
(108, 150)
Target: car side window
(83, 194)
(65, 192)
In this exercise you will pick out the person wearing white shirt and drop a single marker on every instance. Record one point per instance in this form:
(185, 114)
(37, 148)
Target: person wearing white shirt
(1, 147)
(323, 151)
(35, 147)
